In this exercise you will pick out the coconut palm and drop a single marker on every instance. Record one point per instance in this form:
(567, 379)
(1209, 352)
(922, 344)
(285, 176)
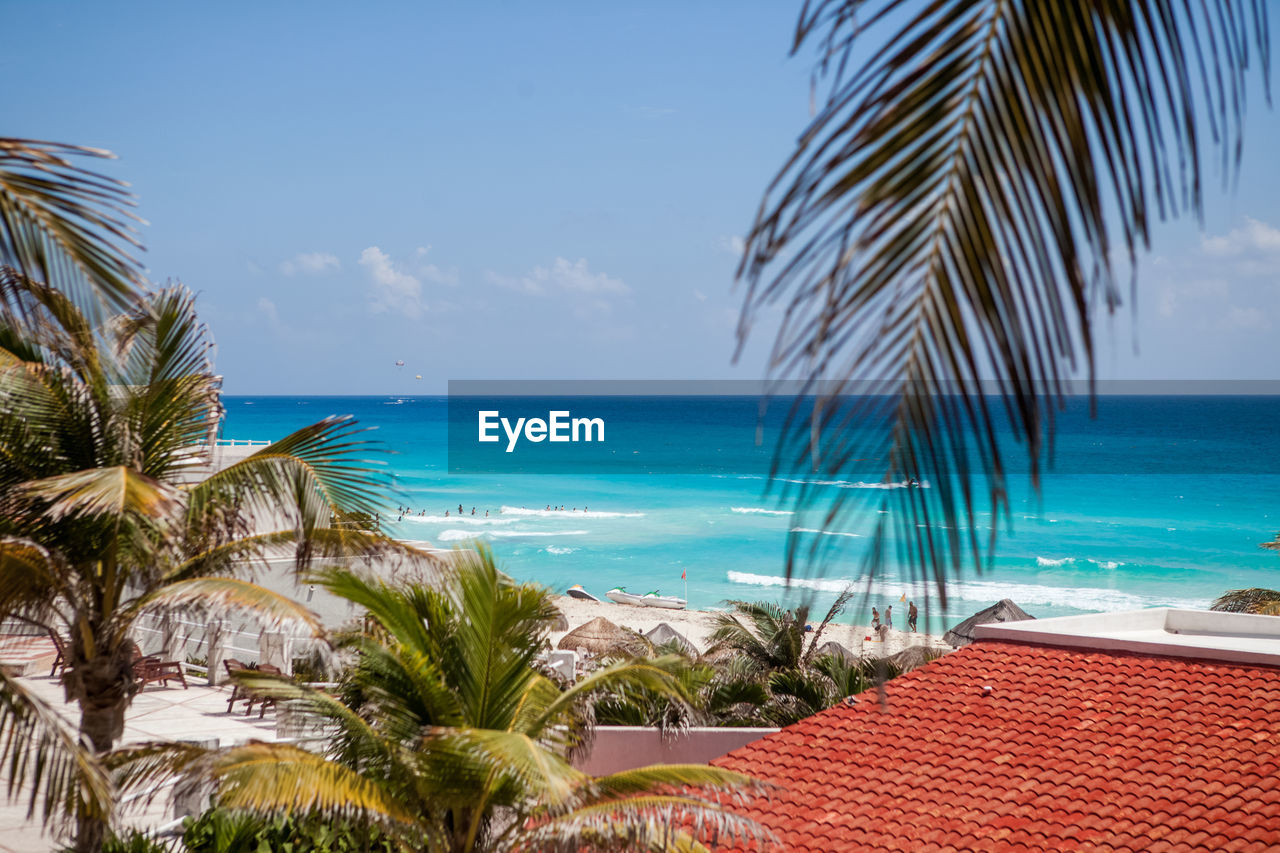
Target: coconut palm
(964, 200)
(1253, 600)
(66, 225)
(106, 517)
(772, 637)
(777, 655)
(451, 738)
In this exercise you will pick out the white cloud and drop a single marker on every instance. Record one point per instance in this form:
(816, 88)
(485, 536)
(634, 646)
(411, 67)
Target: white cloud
(733, 244)
(1249, 319)
(393, 289)
(267, 309)
(1253, 239)
(564, 276)
(310, 263)
(699, 295)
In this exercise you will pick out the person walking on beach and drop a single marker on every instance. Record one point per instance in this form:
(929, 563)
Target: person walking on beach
(888, 617)
(875, 619)
(912, 615)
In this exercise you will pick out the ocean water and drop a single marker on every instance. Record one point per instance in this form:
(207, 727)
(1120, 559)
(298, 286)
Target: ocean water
(1157, 501)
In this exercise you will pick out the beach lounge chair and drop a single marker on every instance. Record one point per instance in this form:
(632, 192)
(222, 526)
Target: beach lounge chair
(239, 693)
(151, 670)
(62, 661)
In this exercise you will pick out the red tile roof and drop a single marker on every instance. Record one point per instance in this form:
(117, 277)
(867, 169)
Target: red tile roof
(1072, 750)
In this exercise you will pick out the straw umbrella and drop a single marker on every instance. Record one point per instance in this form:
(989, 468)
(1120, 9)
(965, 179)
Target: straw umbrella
(663, 633)
(560, 622)
(914, 657)
(836, 650)
(600, 636)
(1003, 610)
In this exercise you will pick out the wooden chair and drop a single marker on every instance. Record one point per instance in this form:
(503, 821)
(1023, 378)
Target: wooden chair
(150, 670)
(262, 710)
(239, 693)
(62, 661)
(232, 666)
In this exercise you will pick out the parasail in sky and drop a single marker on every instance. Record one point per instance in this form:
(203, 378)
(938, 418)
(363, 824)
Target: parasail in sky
(419, 376)
(400, 363)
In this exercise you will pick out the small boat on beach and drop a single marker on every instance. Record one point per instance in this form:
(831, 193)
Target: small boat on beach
(621, 596)
(670, 602)
(576, 591)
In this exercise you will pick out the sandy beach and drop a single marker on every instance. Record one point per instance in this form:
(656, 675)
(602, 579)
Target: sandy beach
(696, 625)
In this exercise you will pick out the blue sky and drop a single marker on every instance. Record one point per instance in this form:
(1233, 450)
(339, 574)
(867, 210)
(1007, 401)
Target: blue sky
(501, 190)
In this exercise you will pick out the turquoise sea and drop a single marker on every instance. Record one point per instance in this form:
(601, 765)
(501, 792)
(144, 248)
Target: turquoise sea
(1157, 501)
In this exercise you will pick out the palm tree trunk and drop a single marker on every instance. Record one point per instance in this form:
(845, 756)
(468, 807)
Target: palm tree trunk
(103, 687)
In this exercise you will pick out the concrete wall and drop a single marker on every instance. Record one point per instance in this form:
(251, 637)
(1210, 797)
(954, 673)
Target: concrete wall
(618, 748)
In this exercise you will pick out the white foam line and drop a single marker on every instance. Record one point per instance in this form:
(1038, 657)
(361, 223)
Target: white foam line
(826, 532)
(567, 513)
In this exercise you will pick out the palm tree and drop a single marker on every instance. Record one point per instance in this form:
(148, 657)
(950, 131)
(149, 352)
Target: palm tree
(770, 636)
(778, 656)
(68, 226)
(451, 738)
(951, 219)
(104, 435)
(1254, 600)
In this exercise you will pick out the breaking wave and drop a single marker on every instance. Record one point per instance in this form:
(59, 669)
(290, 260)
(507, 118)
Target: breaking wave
(459, 519)
(563, 513)
(826, 532)
(755, 510)
(818, 584)
(456, 535)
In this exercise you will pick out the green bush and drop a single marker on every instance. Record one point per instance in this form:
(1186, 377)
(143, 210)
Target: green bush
(219, 831)
(133, 842)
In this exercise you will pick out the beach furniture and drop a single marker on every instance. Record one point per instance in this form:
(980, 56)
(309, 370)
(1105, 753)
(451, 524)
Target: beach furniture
(150, 669)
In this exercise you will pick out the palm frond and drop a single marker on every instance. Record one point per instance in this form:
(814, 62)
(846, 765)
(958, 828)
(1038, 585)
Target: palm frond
(280, 778)
(1253, 600)
(113, 492)
(33, 582)
(44, 761)
(65, 225)
(312, 474)
(949, 217)
(216, 597)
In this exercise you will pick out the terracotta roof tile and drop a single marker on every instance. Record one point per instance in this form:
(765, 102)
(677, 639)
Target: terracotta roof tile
(1073, 749)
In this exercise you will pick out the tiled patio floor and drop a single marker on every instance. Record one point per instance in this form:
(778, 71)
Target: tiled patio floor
(158, 713)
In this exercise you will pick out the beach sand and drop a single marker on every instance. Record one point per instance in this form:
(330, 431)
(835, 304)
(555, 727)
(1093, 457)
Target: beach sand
(696, 626)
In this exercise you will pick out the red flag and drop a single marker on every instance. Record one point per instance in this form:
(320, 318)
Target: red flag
(682, 575)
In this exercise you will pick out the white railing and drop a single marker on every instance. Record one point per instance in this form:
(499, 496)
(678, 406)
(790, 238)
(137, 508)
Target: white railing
(240, 442)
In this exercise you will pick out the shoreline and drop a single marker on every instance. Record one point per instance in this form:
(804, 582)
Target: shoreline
(696, 626)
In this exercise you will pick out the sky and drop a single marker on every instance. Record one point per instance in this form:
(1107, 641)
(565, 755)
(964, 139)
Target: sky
(504, 191)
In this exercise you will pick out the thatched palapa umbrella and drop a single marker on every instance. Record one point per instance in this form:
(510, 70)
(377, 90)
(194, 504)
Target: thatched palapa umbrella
(600, 636)
(1003, 610)
(836, 650)
(914, 657)
(663, 634)
(560, 622)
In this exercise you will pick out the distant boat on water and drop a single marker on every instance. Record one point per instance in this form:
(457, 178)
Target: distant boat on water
(576, 591)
